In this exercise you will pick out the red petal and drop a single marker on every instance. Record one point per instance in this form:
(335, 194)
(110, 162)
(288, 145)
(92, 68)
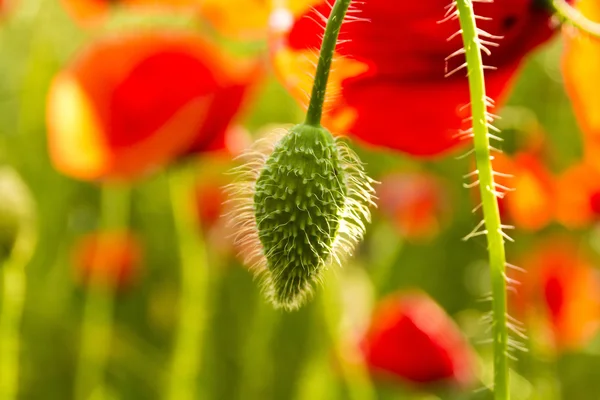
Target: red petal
(160, 95)
(412, 338)
(404, 102)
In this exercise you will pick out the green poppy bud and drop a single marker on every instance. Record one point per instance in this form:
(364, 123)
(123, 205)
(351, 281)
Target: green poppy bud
(300, 203)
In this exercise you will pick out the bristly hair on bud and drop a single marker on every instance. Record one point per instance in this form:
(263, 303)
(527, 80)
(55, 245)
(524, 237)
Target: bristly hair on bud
(300, 203)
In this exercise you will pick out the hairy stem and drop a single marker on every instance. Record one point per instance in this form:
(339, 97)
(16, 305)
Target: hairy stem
(576, 18)
(187, 350)
(487, 186)
(96, 328)
(332, 30)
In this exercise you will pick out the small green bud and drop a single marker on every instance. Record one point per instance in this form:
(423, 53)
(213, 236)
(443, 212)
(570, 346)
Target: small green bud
(302, 202)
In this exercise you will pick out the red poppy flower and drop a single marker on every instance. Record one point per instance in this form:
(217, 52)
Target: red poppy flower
(413, 339)
(530, 205)
(128, 105)
(417, 203)
(112, 257)
(578, 196)
(566, 287)
(390, 70)
(92, 12)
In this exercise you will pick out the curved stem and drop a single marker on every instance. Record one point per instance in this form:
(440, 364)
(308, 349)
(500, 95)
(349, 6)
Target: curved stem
(187, 349)
(576, 18)
(487, 187)
(96, 329)
(332, 30)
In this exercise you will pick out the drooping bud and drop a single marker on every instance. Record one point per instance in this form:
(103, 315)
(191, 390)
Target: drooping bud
(300, 203)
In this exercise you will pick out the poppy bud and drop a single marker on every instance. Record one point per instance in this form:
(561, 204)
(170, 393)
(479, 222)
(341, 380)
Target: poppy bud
(301, 200)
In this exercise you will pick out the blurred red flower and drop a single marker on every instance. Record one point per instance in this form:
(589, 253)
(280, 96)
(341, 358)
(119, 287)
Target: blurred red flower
(417, 203)
(412, 338)
(110, 257)
(561, 283)
(389, 72)
(127, 105)
(531, 204)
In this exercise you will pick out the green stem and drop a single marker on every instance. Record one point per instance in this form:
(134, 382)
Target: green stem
(576, 18)
(487, 186)
(256, 354)
(354, 372)
(319, 89)
(187, 349)
(96, 329)
(12, 292)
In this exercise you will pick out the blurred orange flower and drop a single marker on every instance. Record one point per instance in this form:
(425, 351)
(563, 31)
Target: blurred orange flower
(578, 196)
(412, 338)
(92, 12)
(393, 65)
(417, 203)
(531, 204)
(110, 257)
(581, 63)
(128, 105)
(566, 287)
(245, 19)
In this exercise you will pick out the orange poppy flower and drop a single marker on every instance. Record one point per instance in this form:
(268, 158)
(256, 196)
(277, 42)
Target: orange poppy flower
(92, 12)
(111, 257)
(127, 105)
(417, 203)
(567, 288)
(581, 63)
(578, 196)
(388, 86)
(412, 338)
(530, 205)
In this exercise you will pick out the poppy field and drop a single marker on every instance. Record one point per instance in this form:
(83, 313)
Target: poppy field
(300, 199)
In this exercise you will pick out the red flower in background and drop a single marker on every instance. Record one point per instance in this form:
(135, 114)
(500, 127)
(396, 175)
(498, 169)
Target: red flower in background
(417, 203)
(112, 257)
(565, 287)
(390, 72)
(412, 338)
(127, 105)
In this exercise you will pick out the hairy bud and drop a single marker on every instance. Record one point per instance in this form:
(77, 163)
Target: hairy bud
(300, 203)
